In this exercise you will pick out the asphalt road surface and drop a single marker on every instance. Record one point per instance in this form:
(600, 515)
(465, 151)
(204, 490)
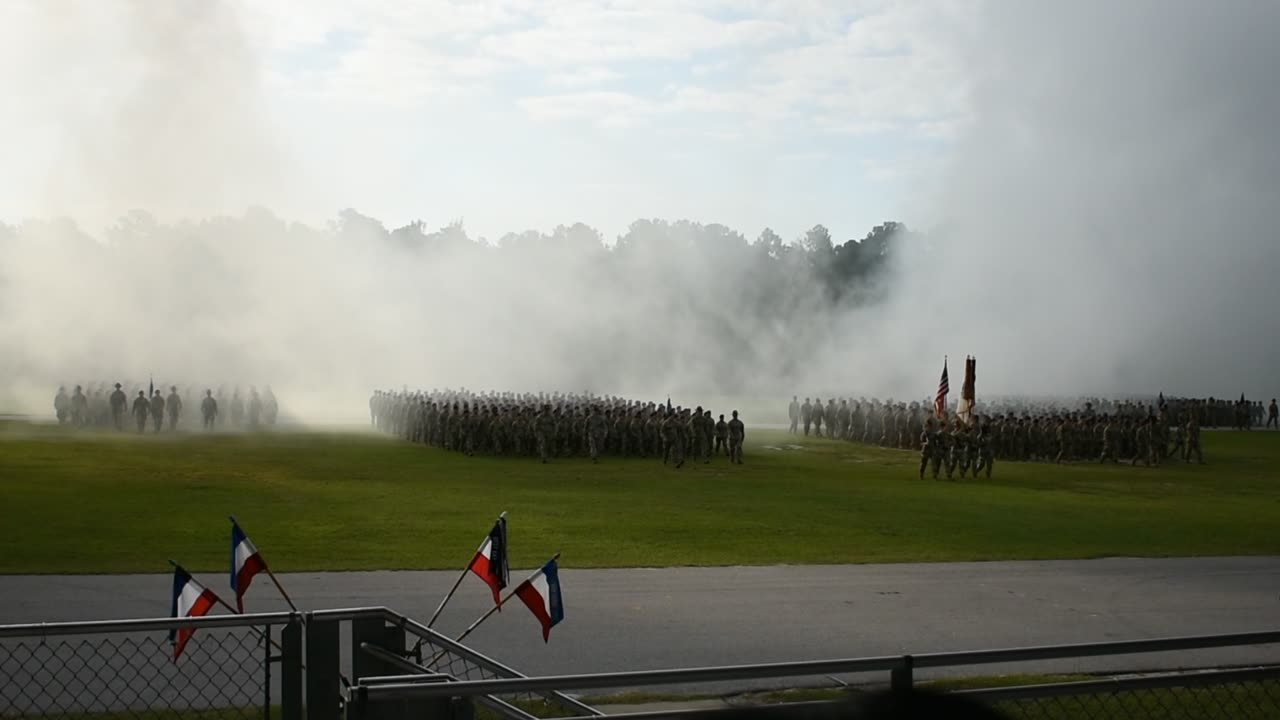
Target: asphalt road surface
(634, 619)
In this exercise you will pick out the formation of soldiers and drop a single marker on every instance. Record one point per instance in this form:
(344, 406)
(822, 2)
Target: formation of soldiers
(557, 425)
(1135, 433)
(99, 407)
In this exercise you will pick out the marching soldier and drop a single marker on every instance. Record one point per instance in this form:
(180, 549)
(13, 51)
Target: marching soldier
(79, 408)
(141, 408)
(174, 407)
(209, 410)
(722, 435)
(928, 445)
(118, 403)
(61, 405)
(157, 410)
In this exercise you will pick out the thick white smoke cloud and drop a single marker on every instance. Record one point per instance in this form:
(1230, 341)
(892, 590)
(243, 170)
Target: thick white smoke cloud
(1106, 224)
(1109, 223)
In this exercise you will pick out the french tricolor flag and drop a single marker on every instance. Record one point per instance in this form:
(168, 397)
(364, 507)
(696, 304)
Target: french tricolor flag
(541, 593)
(190, 599)
(245, 563)
(490, 562)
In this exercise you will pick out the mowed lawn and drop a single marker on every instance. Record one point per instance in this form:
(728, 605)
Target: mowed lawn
(104, 503)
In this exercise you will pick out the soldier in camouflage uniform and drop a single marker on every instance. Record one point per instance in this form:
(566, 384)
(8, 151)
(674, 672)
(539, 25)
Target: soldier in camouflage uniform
(597, 431)
(984, 452)
(930, 449)
(544, 428)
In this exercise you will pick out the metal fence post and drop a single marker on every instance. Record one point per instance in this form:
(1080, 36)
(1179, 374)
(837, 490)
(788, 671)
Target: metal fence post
(291, 670)
(324, 690)
(376, 632)
(900, 678)
(266, 672)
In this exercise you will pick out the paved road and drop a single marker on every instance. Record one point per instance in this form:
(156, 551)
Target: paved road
(653, 618)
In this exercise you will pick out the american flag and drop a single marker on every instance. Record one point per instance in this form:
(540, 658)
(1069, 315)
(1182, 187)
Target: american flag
(944, 387)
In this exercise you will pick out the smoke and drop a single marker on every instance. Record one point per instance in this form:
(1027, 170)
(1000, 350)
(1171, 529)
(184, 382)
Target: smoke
(1107, 223)
(1104, 224)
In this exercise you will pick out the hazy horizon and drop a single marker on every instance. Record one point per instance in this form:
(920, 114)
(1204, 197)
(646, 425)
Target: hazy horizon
(1095, 185)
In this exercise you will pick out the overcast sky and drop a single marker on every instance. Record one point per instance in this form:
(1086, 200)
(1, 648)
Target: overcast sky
(509, 115)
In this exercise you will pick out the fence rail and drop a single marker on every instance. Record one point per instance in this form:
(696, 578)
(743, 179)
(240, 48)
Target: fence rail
(267, 666)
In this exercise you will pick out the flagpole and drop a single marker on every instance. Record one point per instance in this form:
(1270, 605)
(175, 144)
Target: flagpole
(493, 609)
(456, 584)
(267, 567)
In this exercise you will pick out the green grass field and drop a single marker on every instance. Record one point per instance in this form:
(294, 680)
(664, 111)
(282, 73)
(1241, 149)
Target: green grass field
(92, 503)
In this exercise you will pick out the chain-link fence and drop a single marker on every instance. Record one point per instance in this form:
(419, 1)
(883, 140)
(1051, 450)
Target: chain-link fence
(122, 672)
(441, 655)
(1220, 695)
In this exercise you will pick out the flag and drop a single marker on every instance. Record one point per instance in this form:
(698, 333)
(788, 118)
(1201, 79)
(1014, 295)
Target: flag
(944, 387)
(965, 408)
(190, 599)
(245, 563)
(151, 386)
(669, 408)
(541, 593)
(490, 562)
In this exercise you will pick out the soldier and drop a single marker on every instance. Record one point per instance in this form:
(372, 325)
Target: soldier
(1273, 415)
(927, 446)
(793, 412)
(842, 420)
(79, 408)
(255, 409)
(597, 431)
(806, 415)
(1065, 448)
(544, 430)
(984, 455)
(1142, 442)
(270, 407)
(737, 434)
(1193, 441)
(964, 447)
(708, 429)
(61, 405)
(679, 437)
(1179, 449)
(209, 410)
(819, 414)
(174, 407)
(118, 403)
(141, 408)
(1108, 441)
(157, 410)
(237, 409)
(722, 435)
(951, 443)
